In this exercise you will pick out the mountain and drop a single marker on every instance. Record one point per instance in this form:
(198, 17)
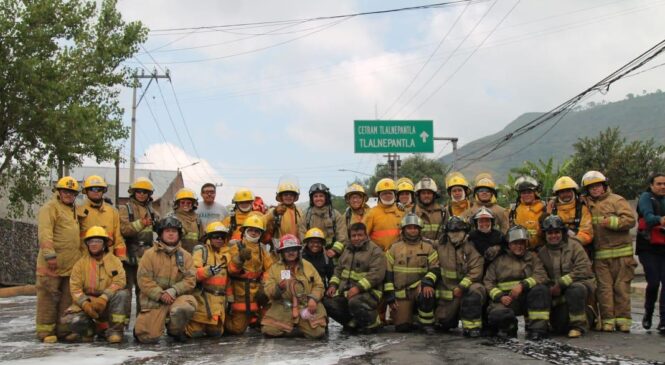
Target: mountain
(638, 117)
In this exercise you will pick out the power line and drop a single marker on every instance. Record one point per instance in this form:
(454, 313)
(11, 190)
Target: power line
(445, 62)
(436, 49)
(159, 129)
(410, 8)
(445, 82)
(601, 86)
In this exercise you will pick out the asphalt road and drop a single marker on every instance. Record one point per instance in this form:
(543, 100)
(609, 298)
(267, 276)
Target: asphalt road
(18, 346)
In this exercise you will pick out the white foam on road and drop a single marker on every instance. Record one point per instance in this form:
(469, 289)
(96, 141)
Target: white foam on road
(88, 356)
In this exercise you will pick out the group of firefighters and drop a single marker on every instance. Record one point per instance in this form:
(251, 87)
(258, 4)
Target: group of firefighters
(565, 264)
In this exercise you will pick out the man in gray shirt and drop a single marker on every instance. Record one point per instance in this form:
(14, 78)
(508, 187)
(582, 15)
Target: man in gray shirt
(210, 211)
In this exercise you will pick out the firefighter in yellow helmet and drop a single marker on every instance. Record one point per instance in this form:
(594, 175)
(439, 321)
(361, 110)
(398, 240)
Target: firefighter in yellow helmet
(432, 214)
(322, 215)
(484, 194)
(248, 267)
(406, 195)
(614, 265)
(383, 220)
(97, 287)
(568, 205)
(137, 219)
(211, 261)
(96, 212)
(356, 201)
(242, 201)
(167, 279)
(459, 192)
(59, 249)
(295, 290)
(529, 210)
(460, 294)
(313, 252)
(411, 272)
(285, 217)
(184, 209)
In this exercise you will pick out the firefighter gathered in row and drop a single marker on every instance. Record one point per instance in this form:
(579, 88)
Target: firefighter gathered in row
(137, 220)
(295, 290)
(571, 278)
(421, 260)
(313, 251)
(211, 261)
(97, 286)
(353, 296)
(516, 283)
(248, 268)
(167, 279)
(432, 214)
(459, 291)
(184, 209)
(94, 211)
(321, 214)
(484, 195)
(614, 265)
(529, 210)
(411, 273)
(356, 201)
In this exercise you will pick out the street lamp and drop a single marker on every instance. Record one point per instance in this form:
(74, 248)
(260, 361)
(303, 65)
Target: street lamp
(357, 172)
(191, 164)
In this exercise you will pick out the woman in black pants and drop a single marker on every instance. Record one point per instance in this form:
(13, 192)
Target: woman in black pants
(650, 246)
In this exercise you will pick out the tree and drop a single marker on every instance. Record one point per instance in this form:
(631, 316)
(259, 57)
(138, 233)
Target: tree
(546, 173)
(626, 165)
(61, 70)
(414, 167)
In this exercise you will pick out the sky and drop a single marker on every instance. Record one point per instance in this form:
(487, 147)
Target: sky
(252, 104)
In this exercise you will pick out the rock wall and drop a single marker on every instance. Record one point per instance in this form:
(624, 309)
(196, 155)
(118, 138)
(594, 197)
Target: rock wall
(18, 244)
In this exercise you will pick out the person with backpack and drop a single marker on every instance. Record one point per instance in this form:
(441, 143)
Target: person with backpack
(243, 206)
(528, 210)
(432, 214)
(321, 214)
(650, 247)
(184, 209)
(568, 205)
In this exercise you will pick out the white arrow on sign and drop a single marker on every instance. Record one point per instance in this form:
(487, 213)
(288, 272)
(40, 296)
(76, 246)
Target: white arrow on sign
(424, 136)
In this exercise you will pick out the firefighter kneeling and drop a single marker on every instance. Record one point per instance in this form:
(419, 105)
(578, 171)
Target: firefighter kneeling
(460, 294)
(295, 290)
(96, 286)
(569, 268)
(412, 270)
(515, 282)
(166, 278)
(211, 262)
(355, 288)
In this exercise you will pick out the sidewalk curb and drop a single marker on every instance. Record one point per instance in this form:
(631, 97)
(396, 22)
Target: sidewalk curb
(14, 291)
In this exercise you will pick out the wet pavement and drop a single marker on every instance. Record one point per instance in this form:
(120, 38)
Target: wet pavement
(18, 346)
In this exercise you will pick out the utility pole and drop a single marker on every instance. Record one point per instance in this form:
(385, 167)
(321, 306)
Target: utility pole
(152, 76)
(394, 163)
(454, 141)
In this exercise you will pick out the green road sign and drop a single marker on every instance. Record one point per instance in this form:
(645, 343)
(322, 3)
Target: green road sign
(392, 136)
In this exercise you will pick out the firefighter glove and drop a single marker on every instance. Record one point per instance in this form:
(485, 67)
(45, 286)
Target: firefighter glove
(99, 303)
(89, 309)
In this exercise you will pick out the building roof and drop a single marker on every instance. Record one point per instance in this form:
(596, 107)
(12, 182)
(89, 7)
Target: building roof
(161, 179)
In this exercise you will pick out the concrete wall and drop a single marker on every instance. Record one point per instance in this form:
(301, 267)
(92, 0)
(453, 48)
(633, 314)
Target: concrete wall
(18, 244)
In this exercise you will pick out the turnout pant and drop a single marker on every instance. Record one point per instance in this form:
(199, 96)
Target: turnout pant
(535, 303)
(132, 288)
(150, 322)
(413, 302)
(613, 279)
(272, 328)
(196, 329)
(468, 308)
(358, 312)
(53, 299)
(111, 321)
(569, 309)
